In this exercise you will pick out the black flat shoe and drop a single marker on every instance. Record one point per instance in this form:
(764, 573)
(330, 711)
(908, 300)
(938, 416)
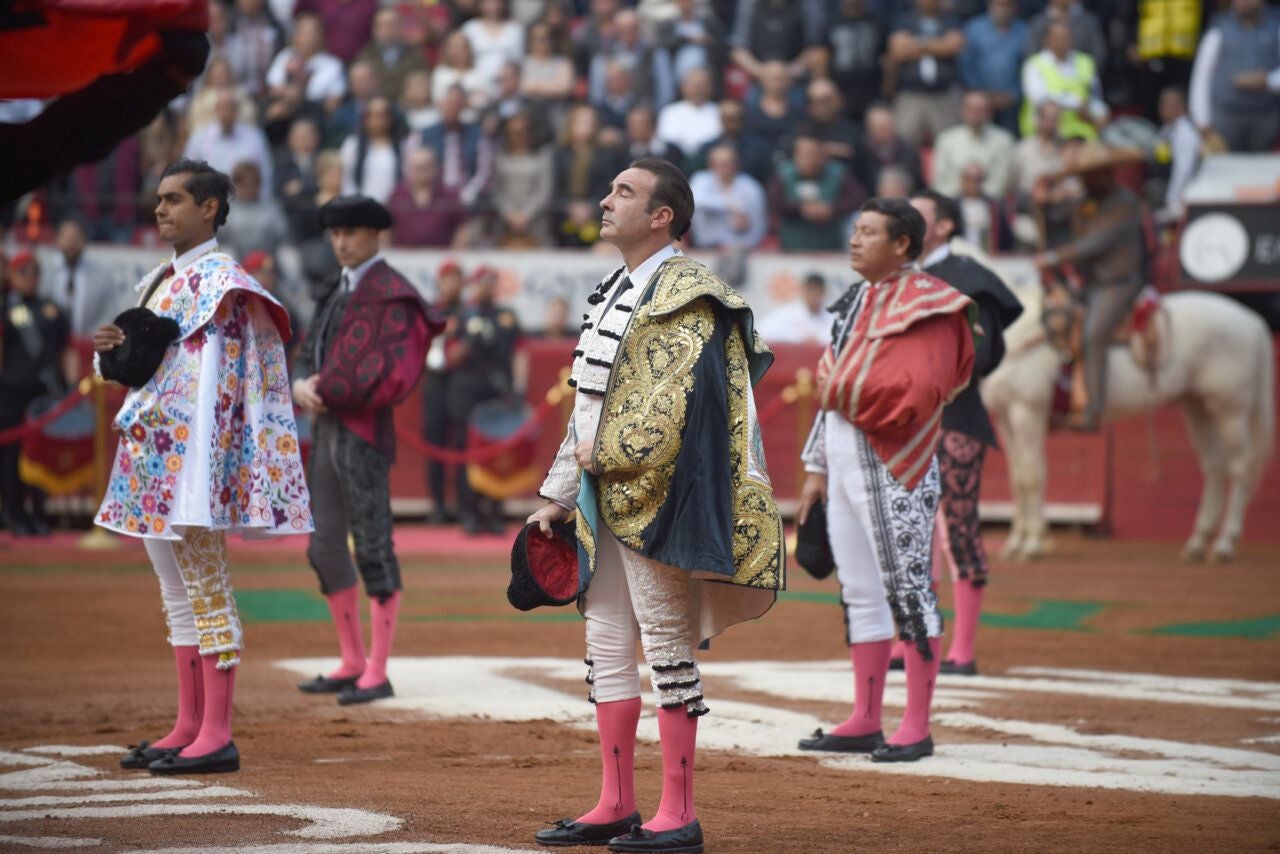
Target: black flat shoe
(954, 669)
(352, 695)
(843, 743)
(144, 754)
(897, 664)
(220, 761)
(904, 752)
(687, 839)
(325, 685)
(566, 831)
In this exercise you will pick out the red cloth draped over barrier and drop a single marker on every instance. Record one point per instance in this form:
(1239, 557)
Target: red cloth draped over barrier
(52, 47)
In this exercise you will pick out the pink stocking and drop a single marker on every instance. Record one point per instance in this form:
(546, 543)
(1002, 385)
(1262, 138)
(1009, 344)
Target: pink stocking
(382, 615)
(921, 677)
(679, 735)
(215, 729)
(190, 699)
(344, 607)
(968, 601)
(870, 666)
(616, 722)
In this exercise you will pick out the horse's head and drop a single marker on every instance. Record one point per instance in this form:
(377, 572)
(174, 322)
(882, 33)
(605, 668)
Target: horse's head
(1060, 315)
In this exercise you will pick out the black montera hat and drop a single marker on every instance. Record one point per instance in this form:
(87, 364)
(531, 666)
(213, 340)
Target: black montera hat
(544, 570)
(813, 548)
(354, 212)
(147, 336)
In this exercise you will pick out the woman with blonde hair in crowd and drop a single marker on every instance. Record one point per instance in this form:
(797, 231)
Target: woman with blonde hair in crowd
(457, 68)
(217, 77)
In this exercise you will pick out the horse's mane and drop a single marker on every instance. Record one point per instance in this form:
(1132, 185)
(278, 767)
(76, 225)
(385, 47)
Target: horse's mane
(1023, 332)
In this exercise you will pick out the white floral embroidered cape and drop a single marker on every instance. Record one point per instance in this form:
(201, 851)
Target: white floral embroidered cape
(210, 441)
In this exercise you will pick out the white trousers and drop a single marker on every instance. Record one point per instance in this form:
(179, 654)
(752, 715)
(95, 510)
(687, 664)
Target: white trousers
(882, 540)
(195, 587)
(634, 598)
(867, 614)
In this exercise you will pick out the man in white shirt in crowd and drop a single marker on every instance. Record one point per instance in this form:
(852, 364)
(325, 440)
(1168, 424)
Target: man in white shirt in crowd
(691, 123)
(800, 321)
(729, 206)
(975, 140)
(228, 141)
(1179, 149)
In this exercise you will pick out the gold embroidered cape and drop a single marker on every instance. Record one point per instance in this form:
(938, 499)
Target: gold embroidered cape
(681, 476)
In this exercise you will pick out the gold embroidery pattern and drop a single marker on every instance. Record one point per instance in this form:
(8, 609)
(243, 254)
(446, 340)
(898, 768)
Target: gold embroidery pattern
(588, 540)
(757, 527)
(202, 557)
(681, 281)
(644, 419)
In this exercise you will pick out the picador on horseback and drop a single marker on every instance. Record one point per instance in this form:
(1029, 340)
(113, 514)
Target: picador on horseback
(1108, 256)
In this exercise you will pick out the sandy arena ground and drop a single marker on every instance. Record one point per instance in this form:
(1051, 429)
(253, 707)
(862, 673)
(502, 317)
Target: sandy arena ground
(1127, 702)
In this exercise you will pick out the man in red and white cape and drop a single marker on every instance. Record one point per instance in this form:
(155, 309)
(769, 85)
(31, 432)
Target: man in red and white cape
(902, 348)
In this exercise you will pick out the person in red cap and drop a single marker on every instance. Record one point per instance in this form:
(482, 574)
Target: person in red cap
(362, 354)
(438, 428)
(33, 334)
(481, 352)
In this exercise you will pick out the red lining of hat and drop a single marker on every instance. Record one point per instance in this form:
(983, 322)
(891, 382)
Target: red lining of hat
(553, 563)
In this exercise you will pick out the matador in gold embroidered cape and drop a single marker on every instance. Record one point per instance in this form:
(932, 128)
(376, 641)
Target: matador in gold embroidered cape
(679, 458)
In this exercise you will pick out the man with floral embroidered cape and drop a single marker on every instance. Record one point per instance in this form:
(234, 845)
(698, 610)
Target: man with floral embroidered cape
(678, 533)
(208, 445)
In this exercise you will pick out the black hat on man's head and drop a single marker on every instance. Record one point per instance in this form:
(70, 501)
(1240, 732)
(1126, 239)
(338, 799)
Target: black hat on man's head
(355, 212)
(544, 570)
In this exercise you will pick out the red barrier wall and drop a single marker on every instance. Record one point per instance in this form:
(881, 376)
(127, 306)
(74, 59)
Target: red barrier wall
(1152, 476)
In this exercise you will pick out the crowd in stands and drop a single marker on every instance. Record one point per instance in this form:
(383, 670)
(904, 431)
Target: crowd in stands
(499, 123)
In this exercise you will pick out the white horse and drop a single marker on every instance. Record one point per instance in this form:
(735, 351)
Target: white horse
(1215, 362)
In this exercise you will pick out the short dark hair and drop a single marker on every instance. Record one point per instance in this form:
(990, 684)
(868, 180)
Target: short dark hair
(671, 190)
(903, 221)
(205, 183)
(944, 206)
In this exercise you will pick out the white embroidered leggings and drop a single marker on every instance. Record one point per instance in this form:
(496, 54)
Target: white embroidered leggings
(867, 614)
(195, 586)
(634, 598)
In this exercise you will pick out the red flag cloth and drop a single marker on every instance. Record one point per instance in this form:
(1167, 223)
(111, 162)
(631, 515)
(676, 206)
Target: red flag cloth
(51, 47)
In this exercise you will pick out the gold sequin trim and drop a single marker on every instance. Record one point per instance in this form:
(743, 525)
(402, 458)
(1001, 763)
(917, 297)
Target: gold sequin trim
(644, 419)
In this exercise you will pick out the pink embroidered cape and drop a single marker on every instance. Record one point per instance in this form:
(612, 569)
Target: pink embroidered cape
(211, 441)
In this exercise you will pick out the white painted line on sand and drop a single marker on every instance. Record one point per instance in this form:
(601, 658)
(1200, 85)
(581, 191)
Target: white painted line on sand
(347, 848)
(49, 841)
(74, 750)
(322, 822)
(123, 797)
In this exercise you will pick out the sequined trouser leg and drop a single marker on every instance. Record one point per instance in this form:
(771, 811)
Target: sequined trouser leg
(960, 464)
(199, 603)
(632, 596)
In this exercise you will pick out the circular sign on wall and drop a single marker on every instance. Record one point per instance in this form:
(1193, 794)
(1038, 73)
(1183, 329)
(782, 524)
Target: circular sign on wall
(1214, 247)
